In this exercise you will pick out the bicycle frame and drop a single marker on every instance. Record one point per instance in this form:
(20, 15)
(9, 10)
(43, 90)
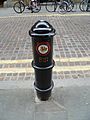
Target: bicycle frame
(60, 4)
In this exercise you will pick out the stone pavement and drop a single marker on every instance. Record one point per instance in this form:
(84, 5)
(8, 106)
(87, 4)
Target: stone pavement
(70, 101)
(71, 95)
(71, 46)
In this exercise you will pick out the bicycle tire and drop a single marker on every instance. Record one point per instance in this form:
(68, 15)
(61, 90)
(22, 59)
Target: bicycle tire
(70, 6)
(83, 6)
(36, 8)
(63, 7)
(51, 6)
(19, 7)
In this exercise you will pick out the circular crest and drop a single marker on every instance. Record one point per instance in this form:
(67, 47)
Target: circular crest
(43, 48)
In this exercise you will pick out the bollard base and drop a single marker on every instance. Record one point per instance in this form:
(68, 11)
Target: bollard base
(44, 95)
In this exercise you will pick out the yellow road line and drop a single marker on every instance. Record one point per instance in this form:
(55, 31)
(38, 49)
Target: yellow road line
(56, 69)
(15, 61)
(47, 14)
(72, 68)
(16, 70)
(82, 59)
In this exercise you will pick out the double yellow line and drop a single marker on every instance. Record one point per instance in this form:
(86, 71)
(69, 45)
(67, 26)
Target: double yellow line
(56, 68)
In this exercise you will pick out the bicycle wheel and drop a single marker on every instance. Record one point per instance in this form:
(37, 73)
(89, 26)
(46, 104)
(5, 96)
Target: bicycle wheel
(36, 8)
(51, 6)
(83, 6)
(63, 7)
(70, 6)
(19, 7)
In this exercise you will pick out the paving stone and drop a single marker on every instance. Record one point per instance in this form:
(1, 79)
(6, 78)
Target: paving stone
(72, 40)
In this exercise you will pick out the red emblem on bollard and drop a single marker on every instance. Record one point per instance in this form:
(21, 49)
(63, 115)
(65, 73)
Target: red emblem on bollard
(43, 48)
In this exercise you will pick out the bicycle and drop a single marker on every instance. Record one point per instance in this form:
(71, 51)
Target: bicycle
(70, 6)
(19, 6)
(84, 5)
(52, 6)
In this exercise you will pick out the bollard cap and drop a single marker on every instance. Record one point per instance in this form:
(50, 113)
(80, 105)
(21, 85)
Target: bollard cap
(42, 28)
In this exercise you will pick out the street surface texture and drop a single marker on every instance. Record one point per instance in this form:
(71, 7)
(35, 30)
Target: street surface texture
(71, 75)
(67, 103)
(71, 45)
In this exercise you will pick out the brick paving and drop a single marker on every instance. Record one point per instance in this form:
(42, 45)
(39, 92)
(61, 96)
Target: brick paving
(71, 41)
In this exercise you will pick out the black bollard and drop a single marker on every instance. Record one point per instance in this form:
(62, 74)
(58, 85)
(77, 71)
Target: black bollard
(42, 44)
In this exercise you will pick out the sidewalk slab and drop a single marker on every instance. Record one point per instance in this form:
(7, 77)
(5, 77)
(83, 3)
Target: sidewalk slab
(68, 102)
